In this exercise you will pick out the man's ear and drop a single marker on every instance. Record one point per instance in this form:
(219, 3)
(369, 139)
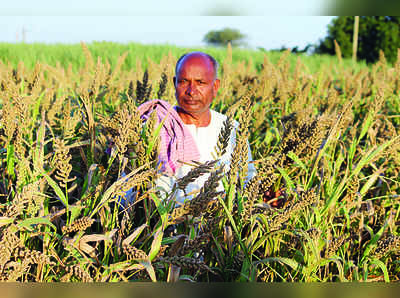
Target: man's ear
(216, 86)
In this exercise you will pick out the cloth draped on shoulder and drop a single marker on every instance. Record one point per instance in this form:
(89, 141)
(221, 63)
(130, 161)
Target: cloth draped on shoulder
(176, 142)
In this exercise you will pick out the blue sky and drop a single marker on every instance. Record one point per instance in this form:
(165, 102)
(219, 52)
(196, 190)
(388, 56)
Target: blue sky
(261, 31)
(161, 7)
(183, 23)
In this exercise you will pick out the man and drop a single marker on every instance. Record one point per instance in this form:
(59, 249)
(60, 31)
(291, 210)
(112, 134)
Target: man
(196, 85)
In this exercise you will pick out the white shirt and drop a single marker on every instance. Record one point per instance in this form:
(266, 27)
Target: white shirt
(206, 139)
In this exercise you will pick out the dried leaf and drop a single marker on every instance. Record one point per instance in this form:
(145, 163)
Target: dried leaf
(98, 237)
(150, 270)
(86, 248)
(134, 235)
(228, 237)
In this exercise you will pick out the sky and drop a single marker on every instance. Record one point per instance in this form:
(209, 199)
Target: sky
(161, 7)
(261, 31)
(267, 24)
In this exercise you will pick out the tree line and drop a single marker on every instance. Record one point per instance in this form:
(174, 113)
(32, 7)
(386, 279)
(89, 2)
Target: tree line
(375, 34)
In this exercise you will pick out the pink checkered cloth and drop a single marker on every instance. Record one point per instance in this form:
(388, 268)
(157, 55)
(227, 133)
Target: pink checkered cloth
(176, 140)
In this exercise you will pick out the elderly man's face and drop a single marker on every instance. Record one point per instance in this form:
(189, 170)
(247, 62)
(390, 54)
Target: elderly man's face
(195, 84)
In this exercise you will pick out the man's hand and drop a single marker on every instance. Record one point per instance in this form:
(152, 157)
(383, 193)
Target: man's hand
(276, 199)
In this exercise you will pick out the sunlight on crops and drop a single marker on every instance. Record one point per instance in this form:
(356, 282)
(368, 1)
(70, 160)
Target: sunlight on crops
(324, 205)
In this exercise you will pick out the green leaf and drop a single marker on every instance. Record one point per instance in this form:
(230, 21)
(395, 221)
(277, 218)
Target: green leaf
(6, 220)
(108, 194)
(35, 110)
(27, 223)
(245, 272)
(232, 221)
(365, 160)
(10, 160)
(155, 136)
(291, 263)
(75, 212)
(122, 266)
(56, 189)
(288, 180)
(366, 124)
(374, 240)
(297, 160)
(91, 180)
(383, 267)
(160, 208)
(39, 148)
(150, 270)
(370, 182)
(156, 244)
(372, 153)
(324, 147)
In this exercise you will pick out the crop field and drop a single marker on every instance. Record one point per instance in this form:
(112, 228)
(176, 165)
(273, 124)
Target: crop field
(324, 135)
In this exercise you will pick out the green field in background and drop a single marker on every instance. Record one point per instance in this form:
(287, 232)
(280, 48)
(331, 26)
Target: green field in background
(65, 54)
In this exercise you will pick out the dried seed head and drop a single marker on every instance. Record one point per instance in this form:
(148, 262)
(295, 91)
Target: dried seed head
(143, 89)
(185, 262)
(78, 272)
(334, 246)
(9, 242)
(307, 198)
(201, 202)
(61, 162)
(80, 224)
(161, 252)
(251, 193)
(163, 85)
(386, 245)
(313, 233)
(195, 244)
(208, 192)
(212, 224)
(224, 137)
(18, 271)
(194, 173)
(180, 211)
(136, 180)
(34, 256)
(134, 253)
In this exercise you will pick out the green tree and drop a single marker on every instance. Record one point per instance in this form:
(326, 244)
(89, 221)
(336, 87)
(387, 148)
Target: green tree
(224, 36)
(375, 33)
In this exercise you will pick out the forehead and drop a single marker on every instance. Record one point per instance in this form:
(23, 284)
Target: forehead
(196, 65)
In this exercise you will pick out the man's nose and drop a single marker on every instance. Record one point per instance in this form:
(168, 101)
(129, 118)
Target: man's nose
(191, 89)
